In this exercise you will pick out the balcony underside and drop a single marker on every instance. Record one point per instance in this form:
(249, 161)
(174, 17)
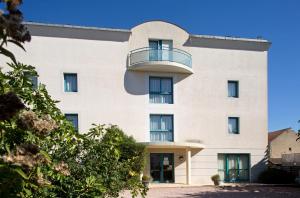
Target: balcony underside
(161, 66)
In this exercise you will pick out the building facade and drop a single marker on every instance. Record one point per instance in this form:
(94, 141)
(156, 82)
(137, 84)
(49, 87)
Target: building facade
(199, 103)
(284, 149)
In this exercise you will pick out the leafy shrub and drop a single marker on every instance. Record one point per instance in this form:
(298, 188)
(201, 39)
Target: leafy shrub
(146, 178)
(216, 179)
(276, 176)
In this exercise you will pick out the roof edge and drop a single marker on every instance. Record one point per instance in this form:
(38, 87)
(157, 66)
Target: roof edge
(229, 38)
(194, 36)
(76, 27)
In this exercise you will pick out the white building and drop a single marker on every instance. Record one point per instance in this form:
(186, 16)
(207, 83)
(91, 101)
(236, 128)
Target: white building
(198, 102)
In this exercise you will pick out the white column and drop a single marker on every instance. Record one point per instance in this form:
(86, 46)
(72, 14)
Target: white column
(188, 165)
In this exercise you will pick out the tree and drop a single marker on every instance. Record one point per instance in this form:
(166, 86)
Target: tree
(298, 132)
(41, 154)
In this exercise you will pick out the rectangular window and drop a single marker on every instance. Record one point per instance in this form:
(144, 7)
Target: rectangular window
(233, 125)
(70, 82)
(161, 90)
(233, 167)
(73, 118)
(233, 89)
(33, 80)
(161, 128)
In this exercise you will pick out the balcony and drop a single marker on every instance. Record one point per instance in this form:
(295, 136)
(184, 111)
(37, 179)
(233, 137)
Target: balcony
(160, 60)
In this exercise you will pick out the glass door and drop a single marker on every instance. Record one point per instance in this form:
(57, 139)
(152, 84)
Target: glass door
(155, 167)
(162, 167)
(166, 50)
(168, 167)
(155, 50)
(234, 167)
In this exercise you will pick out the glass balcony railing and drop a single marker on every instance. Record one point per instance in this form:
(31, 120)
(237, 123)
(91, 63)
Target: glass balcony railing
(144, 55)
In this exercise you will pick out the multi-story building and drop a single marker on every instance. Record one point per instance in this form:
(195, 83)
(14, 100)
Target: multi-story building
(199, 103)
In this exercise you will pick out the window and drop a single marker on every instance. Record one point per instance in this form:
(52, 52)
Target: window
(73, 118)
(233, 167)
(70, 82)
(161, 128)
(233, 125)
(233, 89)
(161, 90)
(33, 80)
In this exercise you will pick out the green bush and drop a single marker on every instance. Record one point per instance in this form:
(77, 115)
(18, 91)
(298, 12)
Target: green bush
(276, 176)
(216, 179)
(146, 178)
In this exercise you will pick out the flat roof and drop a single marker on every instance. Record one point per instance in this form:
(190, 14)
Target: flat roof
(77, 27)
(197, 36)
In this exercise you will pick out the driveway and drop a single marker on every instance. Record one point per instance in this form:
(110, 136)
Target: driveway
(224, 192)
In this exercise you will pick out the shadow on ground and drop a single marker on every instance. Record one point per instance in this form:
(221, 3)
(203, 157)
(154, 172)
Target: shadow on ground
(247, 192)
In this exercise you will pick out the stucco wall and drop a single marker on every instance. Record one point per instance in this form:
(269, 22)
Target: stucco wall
(109, 93)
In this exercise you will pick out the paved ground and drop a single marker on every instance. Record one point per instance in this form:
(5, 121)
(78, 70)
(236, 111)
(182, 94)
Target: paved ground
(224, 192)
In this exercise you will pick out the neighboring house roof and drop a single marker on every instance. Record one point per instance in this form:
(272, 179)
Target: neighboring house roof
(274, 134)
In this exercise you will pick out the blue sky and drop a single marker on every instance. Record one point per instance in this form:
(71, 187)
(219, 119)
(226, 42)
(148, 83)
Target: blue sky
(275, 20)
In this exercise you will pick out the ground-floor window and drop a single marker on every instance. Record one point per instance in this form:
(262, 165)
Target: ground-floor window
(233, 167)
(162, 167)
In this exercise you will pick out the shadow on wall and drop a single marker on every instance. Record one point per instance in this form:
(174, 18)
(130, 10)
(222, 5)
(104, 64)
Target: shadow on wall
(137, 82)
(259, 167)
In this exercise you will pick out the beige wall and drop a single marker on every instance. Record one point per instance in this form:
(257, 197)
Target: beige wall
(281, 144)
(109, 93)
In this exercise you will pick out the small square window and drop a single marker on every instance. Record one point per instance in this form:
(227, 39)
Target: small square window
(70, 82)
(233, 89)
(233, 125)
(73, 118)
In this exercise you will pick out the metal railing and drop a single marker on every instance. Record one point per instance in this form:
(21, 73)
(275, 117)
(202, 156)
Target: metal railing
(147, 54)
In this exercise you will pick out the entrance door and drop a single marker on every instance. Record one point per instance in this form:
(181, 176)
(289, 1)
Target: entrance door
(162, 167)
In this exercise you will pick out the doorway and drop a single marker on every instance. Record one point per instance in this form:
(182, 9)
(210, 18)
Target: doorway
(162, 167)
(160, 50)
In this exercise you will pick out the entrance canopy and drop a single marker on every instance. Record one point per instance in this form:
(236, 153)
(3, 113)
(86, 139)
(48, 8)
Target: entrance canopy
(183, 145)
(161, 172)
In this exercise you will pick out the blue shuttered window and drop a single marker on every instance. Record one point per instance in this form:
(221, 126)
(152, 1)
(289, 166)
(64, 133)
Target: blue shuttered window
(70, 82)
(233, 89)
(73, 118)
(234, 125)
(161, 128)
(161, 90)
